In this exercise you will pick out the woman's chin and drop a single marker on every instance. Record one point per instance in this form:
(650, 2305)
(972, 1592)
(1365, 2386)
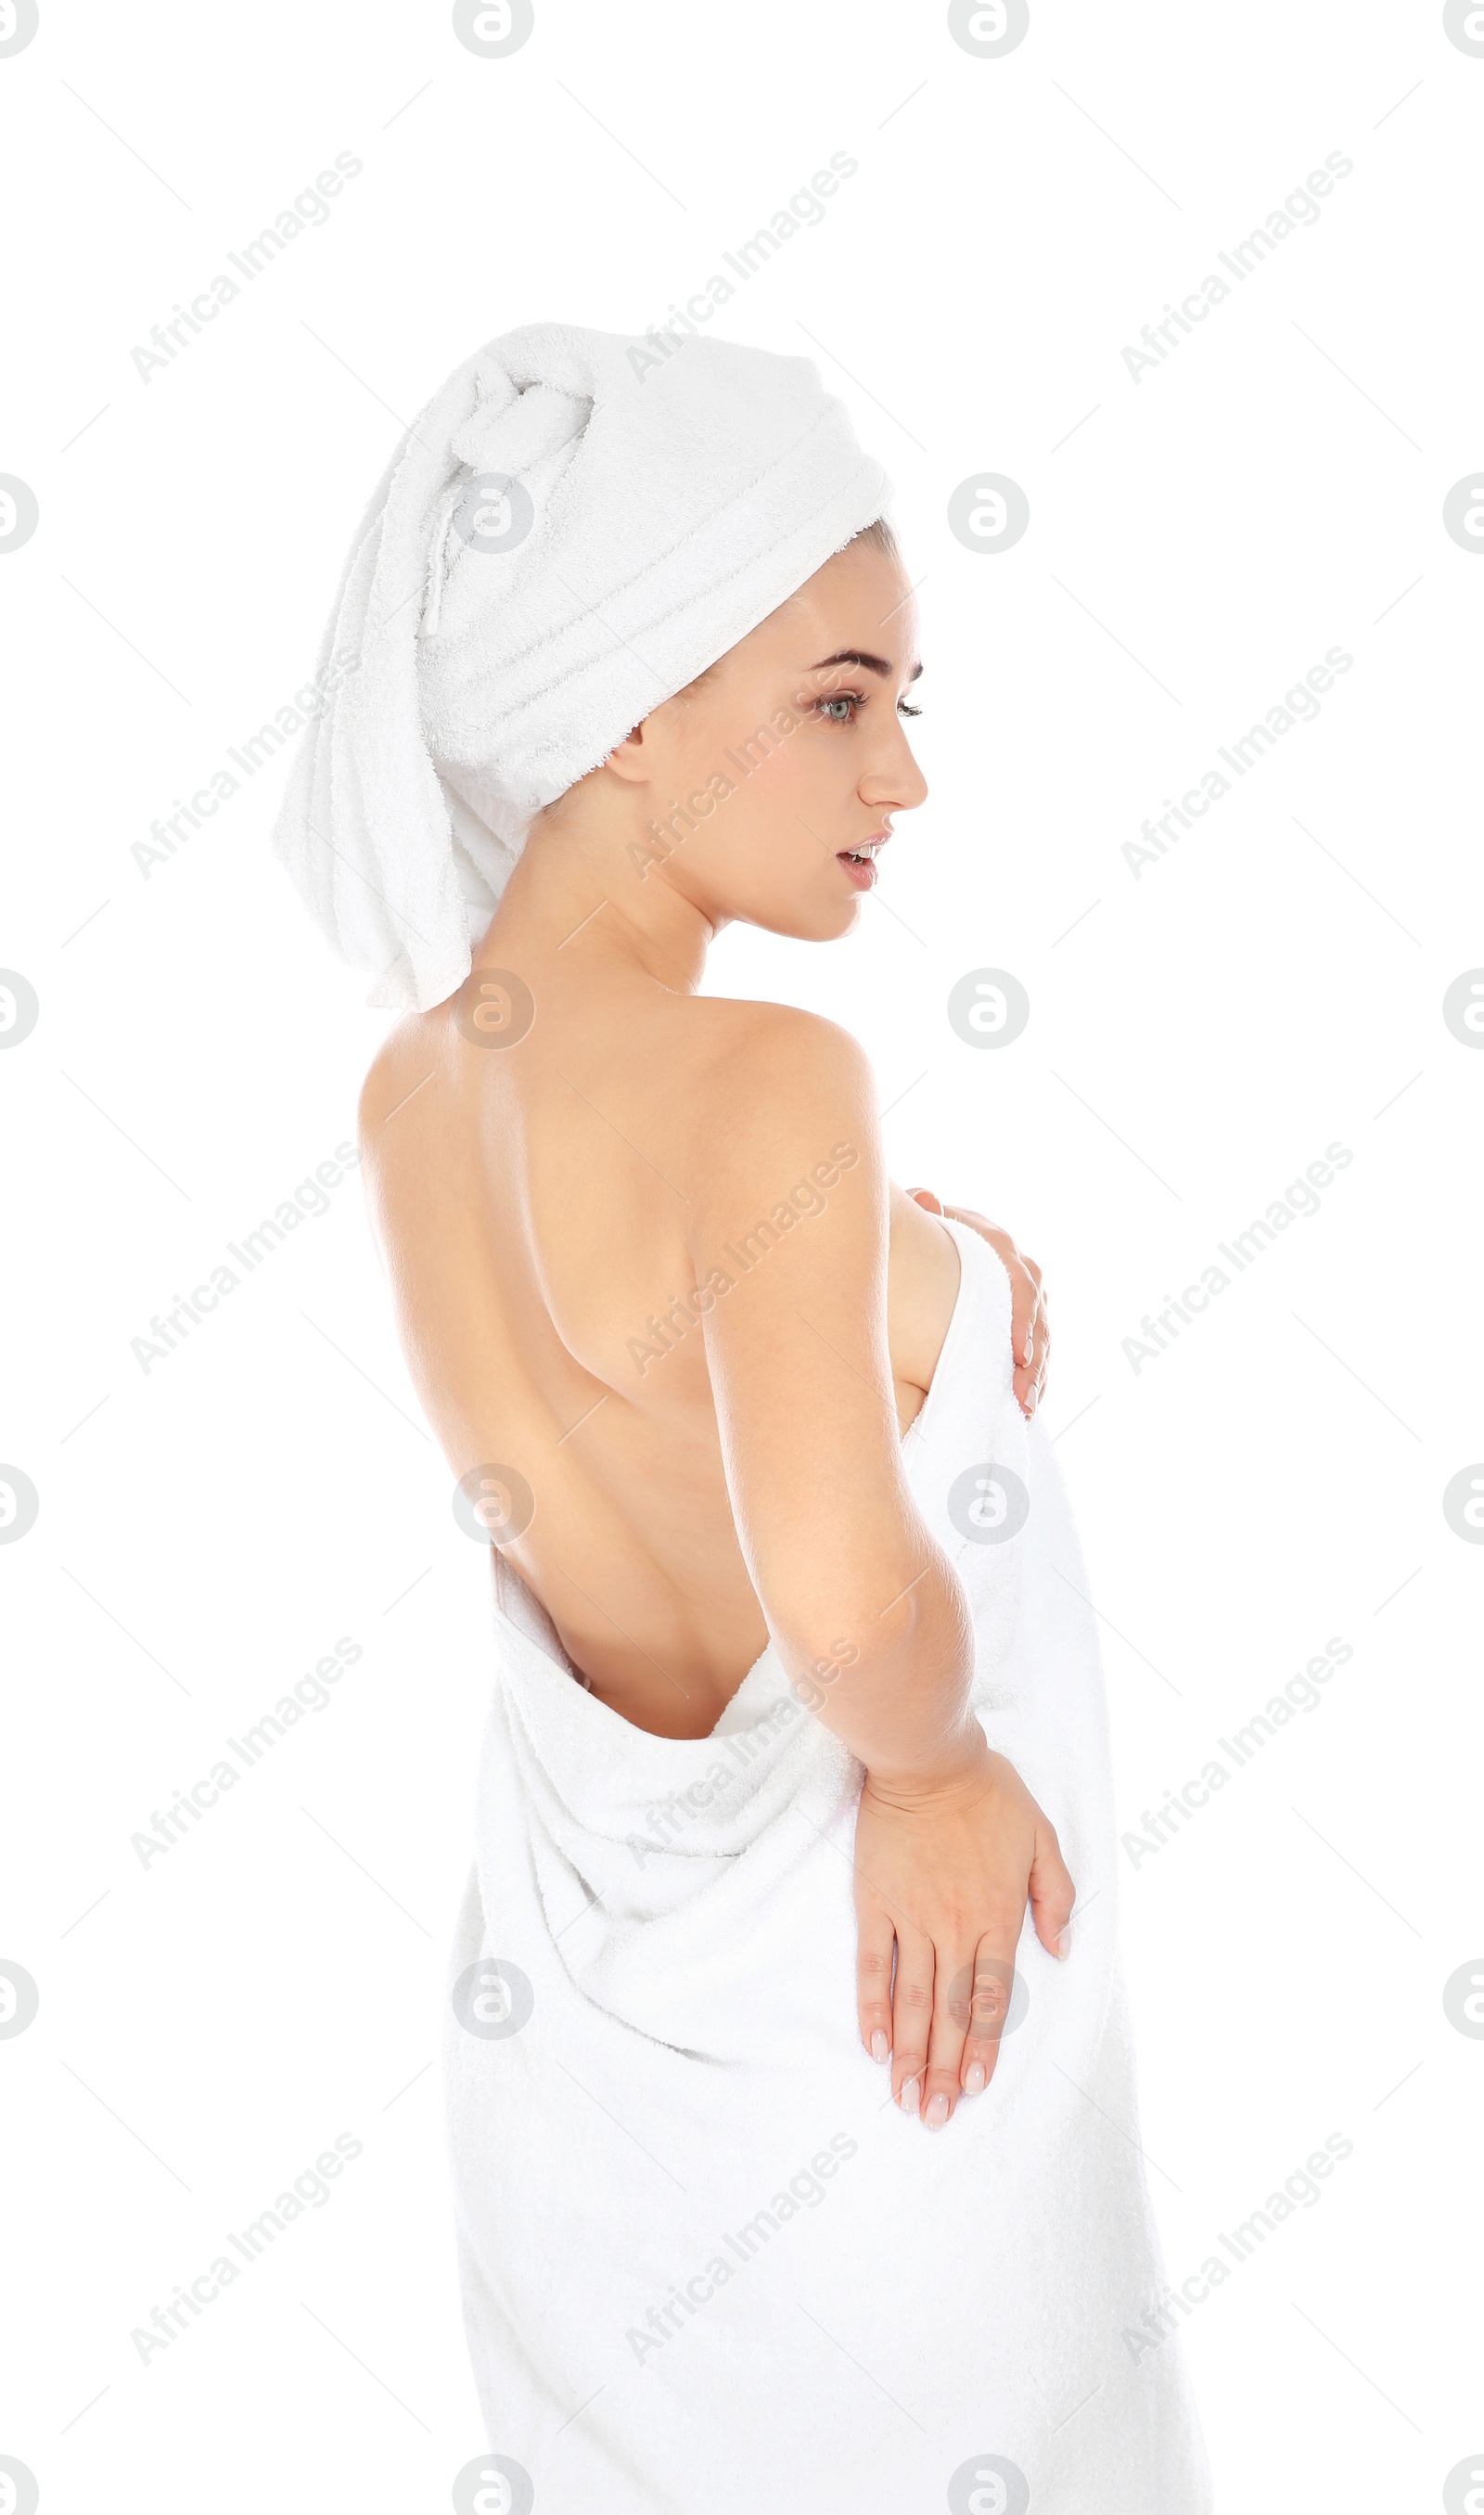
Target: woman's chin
(824, 924)
(844, 917)
(821, 914)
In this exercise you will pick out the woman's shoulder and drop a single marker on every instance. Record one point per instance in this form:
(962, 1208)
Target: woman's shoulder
(727, 1086)
(738, 1037)
(767, 1085)
(395, 1068)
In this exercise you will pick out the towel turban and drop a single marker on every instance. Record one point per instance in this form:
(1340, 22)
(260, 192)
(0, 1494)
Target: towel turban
(568, 534)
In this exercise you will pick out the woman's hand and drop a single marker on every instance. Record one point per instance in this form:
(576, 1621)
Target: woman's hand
(942, 1873)
(1030, 1327)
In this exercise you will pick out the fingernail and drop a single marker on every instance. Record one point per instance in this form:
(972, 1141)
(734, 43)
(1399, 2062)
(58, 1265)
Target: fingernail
(910, 2096)
(1030, 1403)
(1064, 1941)
(880, 2049)
(937, 2112)
(974, 2078)
(1030, 1344)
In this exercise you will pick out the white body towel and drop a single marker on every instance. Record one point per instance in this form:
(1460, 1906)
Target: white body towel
(708, 2266)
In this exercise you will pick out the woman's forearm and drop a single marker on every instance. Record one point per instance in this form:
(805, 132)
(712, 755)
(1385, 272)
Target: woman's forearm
(893, 1684)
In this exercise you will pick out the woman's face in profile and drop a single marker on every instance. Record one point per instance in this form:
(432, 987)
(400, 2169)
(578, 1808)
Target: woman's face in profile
(771, 781)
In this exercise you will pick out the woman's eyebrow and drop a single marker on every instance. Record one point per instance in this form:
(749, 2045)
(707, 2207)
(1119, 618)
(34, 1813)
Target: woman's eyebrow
(871, 663)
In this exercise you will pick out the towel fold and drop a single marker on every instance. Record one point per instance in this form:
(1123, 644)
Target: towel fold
(706, 2263)
(564, 538)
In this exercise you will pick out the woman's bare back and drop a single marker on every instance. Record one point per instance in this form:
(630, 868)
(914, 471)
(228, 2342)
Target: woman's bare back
(533, 1190)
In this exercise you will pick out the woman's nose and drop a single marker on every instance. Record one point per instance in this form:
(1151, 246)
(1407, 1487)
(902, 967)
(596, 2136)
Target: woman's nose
(894, 783)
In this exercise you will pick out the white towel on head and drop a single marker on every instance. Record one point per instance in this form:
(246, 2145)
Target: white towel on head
(565, 537)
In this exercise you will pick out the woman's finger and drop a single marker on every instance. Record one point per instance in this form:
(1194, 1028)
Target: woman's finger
(1030, 1335)
(875, 1941)
(1024, 1304)
(994, 1983)
(952, 2010)
(911, 2018)
(1030, 1375)
(1051, 1892)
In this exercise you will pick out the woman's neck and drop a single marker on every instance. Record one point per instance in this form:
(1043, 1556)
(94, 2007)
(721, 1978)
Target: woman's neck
(597, 871)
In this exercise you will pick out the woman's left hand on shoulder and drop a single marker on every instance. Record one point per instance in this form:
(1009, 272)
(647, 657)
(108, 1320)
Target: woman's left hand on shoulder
(1030, 1327)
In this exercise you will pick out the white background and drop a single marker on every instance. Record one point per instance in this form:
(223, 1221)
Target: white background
(1197, 1034)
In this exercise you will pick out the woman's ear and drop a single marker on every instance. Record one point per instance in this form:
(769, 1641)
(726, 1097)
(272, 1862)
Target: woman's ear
(647, 753)
(631, 760)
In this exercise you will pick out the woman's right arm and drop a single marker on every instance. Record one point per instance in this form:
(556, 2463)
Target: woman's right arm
(867, 1613)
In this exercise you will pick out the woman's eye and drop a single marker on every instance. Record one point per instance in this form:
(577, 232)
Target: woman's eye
(847, 701)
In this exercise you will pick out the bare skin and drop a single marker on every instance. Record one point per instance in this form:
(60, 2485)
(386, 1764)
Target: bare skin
(581, 1173)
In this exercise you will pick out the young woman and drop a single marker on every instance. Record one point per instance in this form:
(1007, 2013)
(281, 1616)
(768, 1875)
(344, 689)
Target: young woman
(793, 1829)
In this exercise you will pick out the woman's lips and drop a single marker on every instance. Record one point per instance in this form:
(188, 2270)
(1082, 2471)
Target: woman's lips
(859, 865)
(862, 875)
